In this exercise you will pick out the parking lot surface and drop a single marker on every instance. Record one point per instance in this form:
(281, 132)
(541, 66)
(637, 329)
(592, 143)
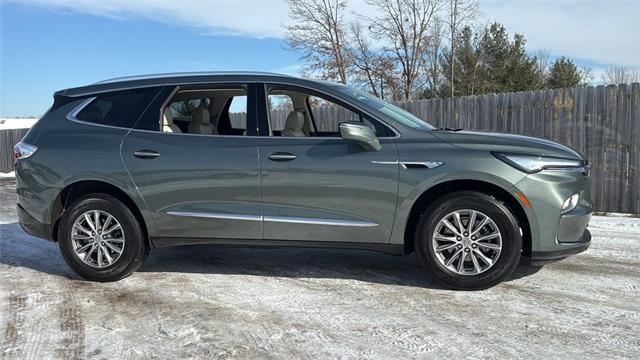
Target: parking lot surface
(225, 302)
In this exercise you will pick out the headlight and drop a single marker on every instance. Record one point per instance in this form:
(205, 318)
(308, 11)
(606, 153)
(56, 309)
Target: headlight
(570, 203)
(535, 163)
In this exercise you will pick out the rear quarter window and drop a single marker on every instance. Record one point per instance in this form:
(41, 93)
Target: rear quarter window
(120, 108)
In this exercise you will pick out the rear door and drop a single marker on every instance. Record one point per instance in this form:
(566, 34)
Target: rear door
(199, 186)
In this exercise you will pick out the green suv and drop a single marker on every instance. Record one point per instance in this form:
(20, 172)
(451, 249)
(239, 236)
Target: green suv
(119, 167)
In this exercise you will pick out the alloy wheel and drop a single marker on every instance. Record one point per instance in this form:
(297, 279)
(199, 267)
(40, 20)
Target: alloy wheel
(467, 242)
(97, 238)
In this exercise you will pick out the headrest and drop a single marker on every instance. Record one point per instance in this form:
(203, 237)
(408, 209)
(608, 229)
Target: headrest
(167, 117)
(295, 121)
(200, 115)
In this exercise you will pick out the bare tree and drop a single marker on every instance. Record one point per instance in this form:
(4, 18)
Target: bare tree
(365, 61)
(433, 55)
(404, 25)
(620, 74)
(318, 34)
(372, 67)
(460, 13)
(542, 64)
(586, 76)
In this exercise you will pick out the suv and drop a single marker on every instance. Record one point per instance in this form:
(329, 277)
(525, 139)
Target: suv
(119, 167)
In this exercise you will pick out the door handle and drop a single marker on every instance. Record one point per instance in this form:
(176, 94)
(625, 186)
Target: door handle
(281, 156)
(146, 154)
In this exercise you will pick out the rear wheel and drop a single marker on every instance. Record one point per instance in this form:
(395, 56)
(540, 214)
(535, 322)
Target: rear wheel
(101, 239)
(468, 240)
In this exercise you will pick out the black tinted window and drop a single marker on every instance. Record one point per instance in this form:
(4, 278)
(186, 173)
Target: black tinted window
(121, 108)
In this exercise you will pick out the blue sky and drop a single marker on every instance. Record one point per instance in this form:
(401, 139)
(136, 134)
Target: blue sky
(46, 45)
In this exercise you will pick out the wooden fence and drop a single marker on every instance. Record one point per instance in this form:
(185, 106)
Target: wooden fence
(8, 138)
(601, 122)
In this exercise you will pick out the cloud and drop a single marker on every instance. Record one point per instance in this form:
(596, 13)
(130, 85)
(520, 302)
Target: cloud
(253, 18)
(604, 32)
(607, 32)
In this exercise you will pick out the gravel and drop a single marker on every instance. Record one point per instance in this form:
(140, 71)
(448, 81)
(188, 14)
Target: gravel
(225, 302)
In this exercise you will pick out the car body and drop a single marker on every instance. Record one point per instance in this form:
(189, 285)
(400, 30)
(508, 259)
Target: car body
(201, 158)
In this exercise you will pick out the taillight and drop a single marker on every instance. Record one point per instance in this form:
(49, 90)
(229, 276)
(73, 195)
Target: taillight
(23, 150)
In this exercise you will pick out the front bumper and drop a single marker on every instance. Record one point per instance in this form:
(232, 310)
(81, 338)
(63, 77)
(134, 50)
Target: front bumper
(556, 234)
(538, 258)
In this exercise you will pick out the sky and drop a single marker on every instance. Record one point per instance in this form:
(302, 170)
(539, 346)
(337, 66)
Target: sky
(47, 45)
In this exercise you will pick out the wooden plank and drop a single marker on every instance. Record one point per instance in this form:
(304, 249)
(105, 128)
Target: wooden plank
(634, 148)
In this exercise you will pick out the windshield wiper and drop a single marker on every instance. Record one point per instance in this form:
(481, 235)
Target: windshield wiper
(448, 129)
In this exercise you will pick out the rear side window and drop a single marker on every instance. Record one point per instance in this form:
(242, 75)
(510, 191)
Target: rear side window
(121, 108)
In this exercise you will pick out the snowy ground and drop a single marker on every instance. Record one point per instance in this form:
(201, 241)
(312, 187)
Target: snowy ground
(204, 302)
(17, 123)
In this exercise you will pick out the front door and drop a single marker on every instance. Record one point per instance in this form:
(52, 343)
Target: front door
(198, 172)
(317, 186)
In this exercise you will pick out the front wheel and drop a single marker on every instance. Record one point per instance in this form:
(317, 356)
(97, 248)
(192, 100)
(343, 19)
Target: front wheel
(101, 239)
(468, 240)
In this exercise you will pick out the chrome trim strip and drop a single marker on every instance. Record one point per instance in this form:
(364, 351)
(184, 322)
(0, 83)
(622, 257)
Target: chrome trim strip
(282, 157)
(216, 215)
(279, 219)
(384, 162)
(427, 164)
(312, 221)
(146, 153)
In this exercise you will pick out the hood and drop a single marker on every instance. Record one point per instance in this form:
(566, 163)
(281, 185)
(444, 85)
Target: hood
(507, 143)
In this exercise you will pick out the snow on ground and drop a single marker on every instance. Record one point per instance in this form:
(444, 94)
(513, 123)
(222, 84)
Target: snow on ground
(225, 302)
(17, 123)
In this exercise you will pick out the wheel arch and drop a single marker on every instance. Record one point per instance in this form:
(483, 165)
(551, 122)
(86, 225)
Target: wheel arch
(441, 189)
(82, 187)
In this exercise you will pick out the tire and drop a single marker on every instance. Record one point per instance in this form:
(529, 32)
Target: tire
(501, 230)
(133, 248)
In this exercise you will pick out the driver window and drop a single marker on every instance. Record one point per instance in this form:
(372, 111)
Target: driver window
(327, 116)
(298, 114)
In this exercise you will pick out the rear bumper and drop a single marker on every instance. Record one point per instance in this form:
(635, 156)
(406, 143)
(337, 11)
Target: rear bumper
(543, 257)
(32, 226)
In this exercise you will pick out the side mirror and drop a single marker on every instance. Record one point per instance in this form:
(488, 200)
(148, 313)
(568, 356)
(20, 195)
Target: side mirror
(363, 134)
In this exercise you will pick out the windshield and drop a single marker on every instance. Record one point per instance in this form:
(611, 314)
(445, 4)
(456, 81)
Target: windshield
(398, 114)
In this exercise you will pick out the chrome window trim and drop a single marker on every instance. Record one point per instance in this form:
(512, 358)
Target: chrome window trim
(278, 219)
(75, 111)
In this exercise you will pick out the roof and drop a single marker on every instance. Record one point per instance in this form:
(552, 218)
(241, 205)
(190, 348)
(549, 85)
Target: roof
(138, 81)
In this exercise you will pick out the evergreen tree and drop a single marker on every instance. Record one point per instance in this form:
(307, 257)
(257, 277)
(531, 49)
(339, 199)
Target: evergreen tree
(467, 74)
(564, 74)
(490, 62)
(506, 65)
